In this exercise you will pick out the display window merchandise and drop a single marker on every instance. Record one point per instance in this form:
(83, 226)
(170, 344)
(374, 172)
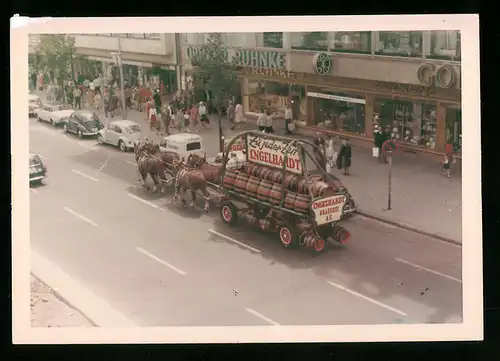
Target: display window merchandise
(344, 112)
(409, 122)
(454, 128)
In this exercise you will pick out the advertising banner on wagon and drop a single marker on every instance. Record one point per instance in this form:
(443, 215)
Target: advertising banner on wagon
(271, 152)
(328, 209)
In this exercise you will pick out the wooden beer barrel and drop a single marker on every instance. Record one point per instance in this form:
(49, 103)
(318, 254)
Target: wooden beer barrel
(264, 173)
(276, 176)
(252, 186)
(290, 200)
(264, 190)
(340, 234)
(302, 186)
(240, 183)
(275, 194)
(229, 179)
(318, 188)
(253, 169)
(302, 203)
(291, 181)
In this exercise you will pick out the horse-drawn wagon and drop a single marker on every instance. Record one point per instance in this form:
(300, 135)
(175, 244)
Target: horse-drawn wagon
(275, 191)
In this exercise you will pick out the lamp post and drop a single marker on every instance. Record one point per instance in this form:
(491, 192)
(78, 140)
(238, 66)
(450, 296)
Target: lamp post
(118, 60)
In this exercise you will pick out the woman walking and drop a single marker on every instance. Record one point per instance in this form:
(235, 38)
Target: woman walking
(261, 121)
(269, 122)
(194, 117)
(344, 157)
(239, 116)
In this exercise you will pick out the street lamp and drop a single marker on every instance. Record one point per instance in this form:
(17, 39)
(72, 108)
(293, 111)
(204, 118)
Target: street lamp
(117, 57)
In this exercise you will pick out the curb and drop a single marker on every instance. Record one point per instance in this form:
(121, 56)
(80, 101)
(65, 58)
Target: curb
(75, 295)
(408, 228)
(63, 300)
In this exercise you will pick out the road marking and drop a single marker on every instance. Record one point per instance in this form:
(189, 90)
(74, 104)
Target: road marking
(143, 251)
(146, 202)
(83, 218)
(104, 165)
(428, 270)
(34, 190)
(233, 240)
(383, 305)
(262, 317)
(84, 175)
(131, 163)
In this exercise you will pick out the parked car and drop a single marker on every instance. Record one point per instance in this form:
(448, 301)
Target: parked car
(38, 171)
(34, 102)
(83, 123)
(121, 133)
(55, 114)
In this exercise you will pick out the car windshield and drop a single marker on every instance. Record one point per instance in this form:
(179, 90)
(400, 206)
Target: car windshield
(34, 160)
(133, 129)
(62, 107)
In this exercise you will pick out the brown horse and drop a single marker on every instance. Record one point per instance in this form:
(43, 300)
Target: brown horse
(187, 178)
(149, 162)
(211, 172)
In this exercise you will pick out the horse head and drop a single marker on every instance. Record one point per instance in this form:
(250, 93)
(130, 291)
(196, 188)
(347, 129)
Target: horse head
(195, 161)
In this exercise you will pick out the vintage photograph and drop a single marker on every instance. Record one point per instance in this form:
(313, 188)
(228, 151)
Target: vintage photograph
(216, 179)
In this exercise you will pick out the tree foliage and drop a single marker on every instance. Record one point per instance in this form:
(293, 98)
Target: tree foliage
(56, 53)
(215, 70)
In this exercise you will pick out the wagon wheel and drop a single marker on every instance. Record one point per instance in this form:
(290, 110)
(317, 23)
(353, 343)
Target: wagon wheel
(318, 246)
(228, 213)
(288, 235)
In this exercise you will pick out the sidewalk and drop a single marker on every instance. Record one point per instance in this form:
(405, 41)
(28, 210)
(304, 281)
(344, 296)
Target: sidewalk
(47, 310)
(422, 199)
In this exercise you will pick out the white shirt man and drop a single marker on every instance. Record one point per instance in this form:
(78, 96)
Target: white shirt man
(288, 119)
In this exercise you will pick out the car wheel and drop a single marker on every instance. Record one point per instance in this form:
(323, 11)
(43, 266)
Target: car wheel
(100, 139)
(79, 133)
(122, 146)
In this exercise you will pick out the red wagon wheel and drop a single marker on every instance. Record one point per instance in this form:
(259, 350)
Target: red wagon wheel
(288, 236)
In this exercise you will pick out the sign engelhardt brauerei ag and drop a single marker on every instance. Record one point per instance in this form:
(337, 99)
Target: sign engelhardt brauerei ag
(328, 209)
(272, 152)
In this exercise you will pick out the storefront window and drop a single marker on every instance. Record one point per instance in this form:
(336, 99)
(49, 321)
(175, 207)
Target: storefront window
(454, 128)
(409, 122)
(338, 111)
(353, 42)
(445, 44)
(310, 41)
(273, 40)
(267, 95)
(399, 43)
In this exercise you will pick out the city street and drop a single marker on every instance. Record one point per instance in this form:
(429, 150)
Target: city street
(161, 264)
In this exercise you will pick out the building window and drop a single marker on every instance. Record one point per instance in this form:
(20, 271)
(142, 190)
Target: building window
(310, 41)
(409, 122)
(267, 95)
(445, 44)
(338, 111)
(273, 40)
(353, 42)
(399, 43)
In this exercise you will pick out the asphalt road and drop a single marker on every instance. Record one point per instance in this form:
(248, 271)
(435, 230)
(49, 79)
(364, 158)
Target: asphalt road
(160, 264)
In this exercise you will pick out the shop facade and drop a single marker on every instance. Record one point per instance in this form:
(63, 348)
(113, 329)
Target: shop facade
(417, 100)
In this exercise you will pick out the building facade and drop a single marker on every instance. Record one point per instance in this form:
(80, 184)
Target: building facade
(148, 58)
(352, 82)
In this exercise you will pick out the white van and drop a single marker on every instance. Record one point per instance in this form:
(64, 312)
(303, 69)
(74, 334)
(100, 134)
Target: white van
(183, 144)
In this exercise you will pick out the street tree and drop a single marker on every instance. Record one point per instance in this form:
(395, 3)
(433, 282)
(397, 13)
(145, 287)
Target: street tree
(57, 53)
(215, 72)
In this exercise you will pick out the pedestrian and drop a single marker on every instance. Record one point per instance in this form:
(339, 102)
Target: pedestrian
(231, 113)
(449, 159)
(385, 135)
(90, 97)
(239, 116)
(202, 110)
(261, 120)
(377, 144)
(152, 118)
(97, 100)
(319, 150)
(194, 117)
(157, 100)
(179, 120)
(344, 157)
(288, 119)
(330, 154)
(269, 123)
(166, 117)
(106, 103)
(33, 81)
(187, 118)
(70, 96)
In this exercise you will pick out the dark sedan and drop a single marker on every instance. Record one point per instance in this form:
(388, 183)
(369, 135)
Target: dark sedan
(83, 123)
(38, 171)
